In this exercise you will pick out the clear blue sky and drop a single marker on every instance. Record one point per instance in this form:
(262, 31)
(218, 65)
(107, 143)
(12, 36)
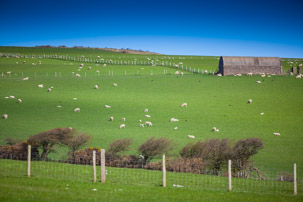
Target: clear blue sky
(221, 27)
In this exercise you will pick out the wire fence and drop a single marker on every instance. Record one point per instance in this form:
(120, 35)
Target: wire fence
(134, 171)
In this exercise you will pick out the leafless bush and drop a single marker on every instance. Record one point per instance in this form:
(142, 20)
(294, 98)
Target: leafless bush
(118, 146)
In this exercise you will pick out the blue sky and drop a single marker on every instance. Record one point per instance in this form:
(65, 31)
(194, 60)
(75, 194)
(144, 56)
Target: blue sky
(227, 27)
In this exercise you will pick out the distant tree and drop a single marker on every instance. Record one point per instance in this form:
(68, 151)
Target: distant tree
(48, 139)
(154, 147)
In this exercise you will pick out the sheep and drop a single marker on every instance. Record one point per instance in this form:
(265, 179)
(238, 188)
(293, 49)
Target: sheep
(52, 87)
(107, 106)
(81, 65)
(5, 116)
(59, 106)
(104, 65)
(148, 123)
(34, 64)
(12, 97)
(145, 110)
(24, 62)
(40, 86)
(184, 105)
(276, 134)
(177, 73)
(49, 90)
(176, 128)
(75, 98)
(262, 113)
(249, 101)
(77, 110)
(182, 73)
(299, 76)
(249, 74)
(141, 125)
(258, 81)
(122, 126)
(89, 68)
(123, 119)
(214, 129)
(17, 63)
(115, 85)
(25, 79)
(219, 74)
(147, 116)
(262, 75)
(6, 97)
(191, 136)
(19, 101)
(291, 73)
(96, 87)
(173, 120)
(111, 118)
(78, 75)
(8, 73)
(238, 75)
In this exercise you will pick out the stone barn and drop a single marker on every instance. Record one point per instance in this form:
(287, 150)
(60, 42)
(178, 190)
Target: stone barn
(243, 65)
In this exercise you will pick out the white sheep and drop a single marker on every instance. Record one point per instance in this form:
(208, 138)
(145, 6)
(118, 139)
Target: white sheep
(75, 98)
(107, 106)
(258, 81)
(81, 65)
(276, 134)
(12, 97)
(191, 136)
(173, 120)
(182, 73)
(184, 105)
(5, 116)
(96, 87)
(104, 65)
(40, 86)
(147, 116)
(25, 79)
(299, 76)
(49, 90)
(219, 74)
(214, 129)
(122, 126)
(249, 74)
(148, 123)
(89, 68)
(78, 75)
(19, 101)
(263, 75)
(77, 110)
(177, 73)
(262, 113)
(59, 106)
(6, 97)
(123, 119)
(115, 85)
(145, 110)
(141, 125)
(17, 63)
(249, 101)
(111, 118)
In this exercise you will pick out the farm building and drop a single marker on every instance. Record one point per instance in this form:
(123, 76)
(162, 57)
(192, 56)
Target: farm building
(244, 65)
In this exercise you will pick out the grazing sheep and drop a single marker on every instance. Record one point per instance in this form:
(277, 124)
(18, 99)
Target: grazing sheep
(262, 113)
(111, 118)
(123, 119)
(276, 134)
(104, 65)
(299, 76)
(145, 110)
(182, 73)
(214, 129)
(177, 73)
(141, 125)
(8, 73)
(78, 75)
(176, 128)
(173, 120)
(24, 62)
(249, 74)
(59, 106)
(140, 121)
(219, 74)
(40, 86)
(262, 75)
(49, 90)
(115, 85)
(25, 79)
(122, 126)
(96, 87)
(89, 68)
(191, 136)
(52, 87)
(81, 65)
(77, 110)
(107, 106)
(6, 97)
(291, 73)
(249, 101)
(5, 116)
(258, 81)
(184, 105)
(12, 97)
(17, 63)
(34, 64)
(147, 116)
(148, 123)
(19, 101)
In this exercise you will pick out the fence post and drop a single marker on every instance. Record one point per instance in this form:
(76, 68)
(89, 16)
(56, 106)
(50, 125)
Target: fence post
(103, 171)
(295, 179)
(229, 175)
(29, 152)
(163, 171)
(94, 165)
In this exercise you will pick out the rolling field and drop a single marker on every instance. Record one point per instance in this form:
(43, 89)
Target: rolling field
(212, 101)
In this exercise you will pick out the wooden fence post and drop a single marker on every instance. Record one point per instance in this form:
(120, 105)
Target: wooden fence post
(163, 171)
(229, 175)
(94, 165)
(295, 179)
(29, 152)
(103, 171)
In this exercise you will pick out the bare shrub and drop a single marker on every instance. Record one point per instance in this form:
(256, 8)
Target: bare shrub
(119, 146)
(284, 176)
(86, 156)
(11, 141)
(154, 147)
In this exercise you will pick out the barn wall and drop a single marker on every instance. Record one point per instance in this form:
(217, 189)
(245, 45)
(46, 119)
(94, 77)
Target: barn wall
(244, 65)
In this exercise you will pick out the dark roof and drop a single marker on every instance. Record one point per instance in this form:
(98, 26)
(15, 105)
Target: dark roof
(251, 61)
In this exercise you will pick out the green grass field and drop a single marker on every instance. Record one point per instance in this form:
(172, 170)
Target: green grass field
(212, 101)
